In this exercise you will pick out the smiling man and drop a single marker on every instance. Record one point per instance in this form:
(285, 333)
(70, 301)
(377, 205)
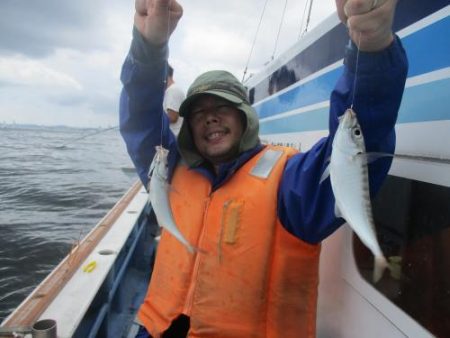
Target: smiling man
(256, 212)
(217, 128)
(218, 114)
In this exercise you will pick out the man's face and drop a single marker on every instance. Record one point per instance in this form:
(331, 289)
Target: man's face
(217, 128)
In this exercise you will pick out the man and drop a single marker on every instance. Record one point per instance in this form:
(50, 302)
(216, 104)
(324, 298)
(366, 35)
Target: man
(257, 213)
(173, 98)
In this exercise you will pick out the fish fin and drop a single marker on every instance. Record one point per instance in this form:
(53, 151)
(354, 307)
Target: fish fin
(180, 238)
(380, 264)
(373, 156)
(193, 249)
(429, 159)
(190, 248)
(325, 174)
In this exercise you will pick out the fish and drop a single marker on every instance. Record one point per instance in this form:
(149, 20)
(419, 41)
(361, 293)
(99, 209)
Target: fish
(348, 173)
(159, 189)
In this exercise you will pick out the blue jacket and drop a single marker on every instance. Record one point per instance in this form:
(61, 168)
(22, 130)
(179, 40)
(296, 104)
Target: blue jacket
(305, 207)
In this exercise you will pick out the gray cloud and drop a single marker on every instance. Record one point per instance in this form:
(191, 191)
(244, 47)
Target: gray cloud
(35, 28)
(96, 102)
(68, 100)
(80, 87)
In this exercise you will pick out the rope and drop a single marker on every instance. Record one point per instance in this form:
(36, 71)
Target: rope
(309, 17)
(279, 30)
(254, 40)
(302, 31)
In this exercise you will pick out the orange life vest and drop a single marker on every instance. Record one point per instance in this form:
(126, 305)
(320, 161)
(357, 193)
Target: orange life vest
(250, 277)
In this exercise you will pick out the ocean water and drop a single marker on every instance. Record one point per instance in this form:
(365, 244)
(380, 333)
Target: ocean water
(55, 185)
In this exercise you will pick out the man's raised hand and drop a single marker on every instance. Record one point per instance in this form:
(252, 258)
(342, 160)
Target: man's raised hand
(369, 22)
(157, 19)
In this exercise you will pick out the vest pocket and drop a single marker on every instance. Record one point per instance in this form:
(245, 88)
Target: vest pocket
(231, 217)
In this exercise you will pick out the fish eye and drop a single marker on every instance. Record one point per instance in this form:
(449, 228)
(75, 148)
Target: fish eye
(357, 132)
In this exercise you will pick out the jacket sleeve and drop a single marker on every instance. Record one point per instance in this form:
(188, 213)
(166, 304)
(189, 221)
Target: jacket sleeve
(143, 123)
(305, 206)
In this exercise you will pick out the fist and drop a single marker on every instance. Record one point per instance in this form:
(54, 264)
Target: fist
(369, 22)
(156, 19)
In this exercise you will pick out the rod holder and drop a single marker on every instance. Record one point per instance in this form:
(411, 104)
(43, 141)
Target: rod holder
(44, 328)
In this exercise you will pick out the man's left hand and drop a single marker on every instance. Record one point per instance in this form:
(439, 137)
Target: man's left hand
(369, 22)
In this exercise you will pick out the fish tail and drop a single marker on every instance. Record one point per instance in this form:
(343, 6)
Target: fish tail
(189, 247)
(193, 249)
(380, 265)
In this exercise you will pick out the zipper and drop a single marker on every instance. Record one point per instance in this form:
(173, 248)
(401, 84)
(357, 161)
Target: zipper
(193, 283)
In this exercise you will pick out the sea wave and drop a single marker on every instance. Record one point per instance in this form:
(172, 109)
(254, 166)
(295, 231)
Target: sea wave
(50, 197)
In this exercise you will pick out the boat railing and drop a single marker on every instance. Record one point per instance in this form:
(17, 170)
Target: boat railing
(96, 290)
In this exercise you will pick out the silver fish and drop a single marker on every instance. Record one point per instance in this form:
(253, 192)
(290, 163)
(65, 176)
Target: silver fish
(159, 196)
(349, 180)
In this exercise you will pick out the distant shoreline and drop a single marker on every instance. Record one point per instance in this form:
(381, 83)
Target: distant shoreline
(23, 126)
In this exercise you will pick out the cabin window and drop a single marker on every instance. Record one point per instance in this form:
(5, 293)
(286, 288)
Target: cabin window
(326, 50)
(413, 227)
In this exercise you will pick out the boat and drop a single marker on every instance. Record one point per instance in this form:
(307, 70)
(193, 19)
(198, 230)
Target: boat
(96, 290)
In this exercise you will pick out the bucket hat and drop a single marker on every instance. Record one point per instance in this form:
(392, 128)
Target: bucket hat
(225, 85)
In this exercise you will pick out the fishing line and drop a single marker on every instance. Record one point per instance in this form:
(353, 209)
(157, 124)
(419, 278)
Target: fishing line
(254, 40)
(356, 70)
(85, 136)
(166, 73)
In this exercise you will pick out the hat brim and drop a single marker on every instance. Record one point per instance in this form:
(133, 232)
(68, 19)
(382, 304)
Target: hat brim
(186, 105)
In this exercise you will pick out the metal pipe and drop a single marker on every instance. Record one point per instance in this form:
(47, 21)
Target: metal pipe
(45, 328)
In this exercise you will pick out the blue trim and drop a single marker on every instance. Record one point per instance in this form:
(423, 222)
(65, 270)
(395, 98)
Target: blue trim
(314, 91)
(417, 45)
(434, 96)
(429, 48)
(309, 121)
(99, 321)
(327, 49)
(410, 11)
(113, 309)
(424, 103)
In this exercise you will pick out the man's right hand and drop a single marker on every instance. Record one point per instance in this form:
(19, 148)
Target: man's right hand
(157, 19)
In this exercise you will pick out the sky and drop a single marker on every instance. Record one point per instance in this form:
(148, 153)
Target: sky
(60, 60)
